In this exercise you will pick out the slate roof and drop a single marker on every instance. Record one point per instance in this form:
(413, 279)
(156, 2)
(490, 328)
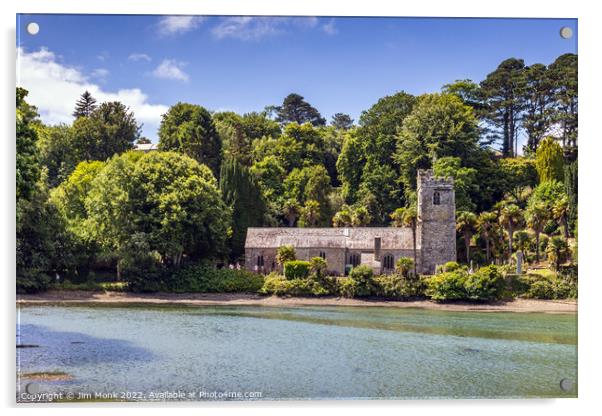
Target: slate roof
(355, 238)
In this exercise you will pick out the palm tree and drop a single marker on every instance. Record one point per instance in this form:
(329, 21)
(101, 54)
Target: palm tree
(360, 216)
(485, 225)
(290, 210)
(510, 217)
(407, 217)
(310, 214)
(536, 216)
(560, 211)
(343, 218)
(558, 251)
(466, 223)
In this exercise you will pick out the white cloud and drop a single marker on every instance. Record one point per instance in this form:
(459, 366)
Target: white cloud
(330, 28)
(173, 25)
(54, 87)
(170, 69)
(100, 73)
(255, 28)
(248, 28)
(139, 57)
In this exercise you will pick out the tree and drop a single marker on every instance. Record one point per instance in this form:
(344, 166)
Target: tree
(295, 109)
(291, 211)
(143, 140)
(465, 181)
(538, 105)
(563, 76)
(348, 166)
(341, 121)
(466, 224)
(241, 192)
(486, 223)
(85, 105)
(408, 217)
(170, 197)
(510, 217)
(284, 254)
(58, 152)
(571, 182)
(560, 212)
(360, 217)
(549, 161)
(440, 125)
(404, 265)
(343, 218)
(503, 91)
(189, 129)
(468, 91)
(310, 214)
(110, 129)
(518, 174)
(558, 251)
(27, 167)
(536, 216)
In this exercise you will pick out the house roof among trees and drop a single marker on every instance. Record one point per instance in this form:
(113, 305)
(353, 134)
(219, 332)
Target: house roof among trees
(354, 238)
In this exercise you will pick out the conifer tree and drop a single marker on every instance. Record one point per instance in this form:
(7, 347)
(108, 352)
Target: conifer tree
(85, 105)
(549, 161)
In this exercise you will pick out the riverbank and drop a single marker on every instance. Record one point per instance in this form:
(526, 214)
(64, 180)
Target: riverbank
(238, 299)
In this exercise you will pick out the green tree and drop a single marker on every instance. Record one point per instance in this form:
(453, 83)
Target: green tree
(189, 129)
(341, 121)
(170, 197)
(110, 129)
(58, 152)
(440, 125)
(404, 265)
(558, 251)
(408, 217)
(560, 212)
(295, 109)
(504, 95)
(242, 194)
(27, 164)
(310, 214)
(563, 75)
(85, 105)
(284, 254)
(518, 174)
(291, 211)
(510, 218)
(468, 91)
(536, 216)
(465, 181)
(348, 163)
(360, 217)
(343, 218)
(571, 182)
(539, 100)
(486, 223)
(466, 225)
(549, 161)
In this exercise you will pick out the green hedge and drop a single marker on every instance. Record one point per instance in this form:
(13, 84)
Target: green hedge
(485, 284)
(275, 284)
(396, 286)
(207, 279)
(296, 269)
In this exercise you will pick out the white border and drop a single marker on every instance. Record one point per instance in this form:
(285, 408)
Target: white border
(590, 200)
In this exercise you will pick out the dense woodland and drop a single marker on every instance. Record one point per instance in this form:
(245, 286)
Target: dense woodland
(87, 203)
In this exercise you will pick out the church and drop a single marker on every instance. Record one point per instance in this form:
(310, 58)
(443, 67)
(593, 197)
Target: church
(376, 247)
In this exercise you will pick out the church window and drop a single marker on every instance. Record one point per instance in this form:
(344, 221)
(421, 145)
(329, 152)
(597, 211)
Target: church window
(436, 198)
(388, 262)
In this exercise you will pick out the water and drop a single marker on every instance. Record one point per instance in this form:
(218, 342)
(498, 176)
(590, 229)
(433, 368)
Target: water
(134, 353)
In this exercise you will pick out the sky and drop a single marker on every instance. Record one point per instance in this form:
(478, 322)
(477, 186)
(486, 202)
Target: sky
(243, 64)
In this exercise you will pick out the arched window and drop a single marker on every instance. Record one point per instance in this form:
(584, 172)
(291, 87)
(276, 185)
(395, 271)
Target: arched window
(436, 198)
(354, 259)
(388, 262)
(323, 255)
(259, 261)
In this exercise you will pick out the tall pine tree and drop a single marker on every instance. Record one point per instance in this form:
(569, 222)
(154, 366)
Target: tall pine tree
(85, 105)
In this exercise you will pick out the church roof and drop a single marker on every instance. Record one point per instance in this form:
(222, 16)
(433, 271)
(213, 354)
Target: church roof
(353, 238)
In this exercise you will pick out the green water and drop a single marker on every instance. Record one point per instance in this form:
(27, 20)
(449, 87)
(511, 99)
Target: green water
(296, 353)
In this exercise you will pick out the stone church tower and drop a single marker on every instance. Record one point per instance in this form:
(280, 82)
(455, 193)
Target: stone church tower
(436, 228)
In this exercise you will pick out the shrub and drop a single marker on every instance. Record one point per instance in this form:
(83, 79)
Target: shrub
(32, 282)
(549, 285)
(558, 251)
(346, 287)
(284, 254)
(296, 269)
(318, 267)
(450, 266)
(278, 285)
(404, 265)
(363, 275)
(397, 286)
(205, 278)
(485, 284)
(447, 286)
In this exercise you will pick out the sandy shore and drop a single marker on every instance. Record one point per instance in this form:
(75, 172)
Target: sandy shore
(233, 299)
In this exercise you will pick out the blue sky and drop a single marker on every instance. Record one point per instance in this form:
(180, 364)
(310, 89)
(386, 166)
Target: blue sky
(245, 63)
